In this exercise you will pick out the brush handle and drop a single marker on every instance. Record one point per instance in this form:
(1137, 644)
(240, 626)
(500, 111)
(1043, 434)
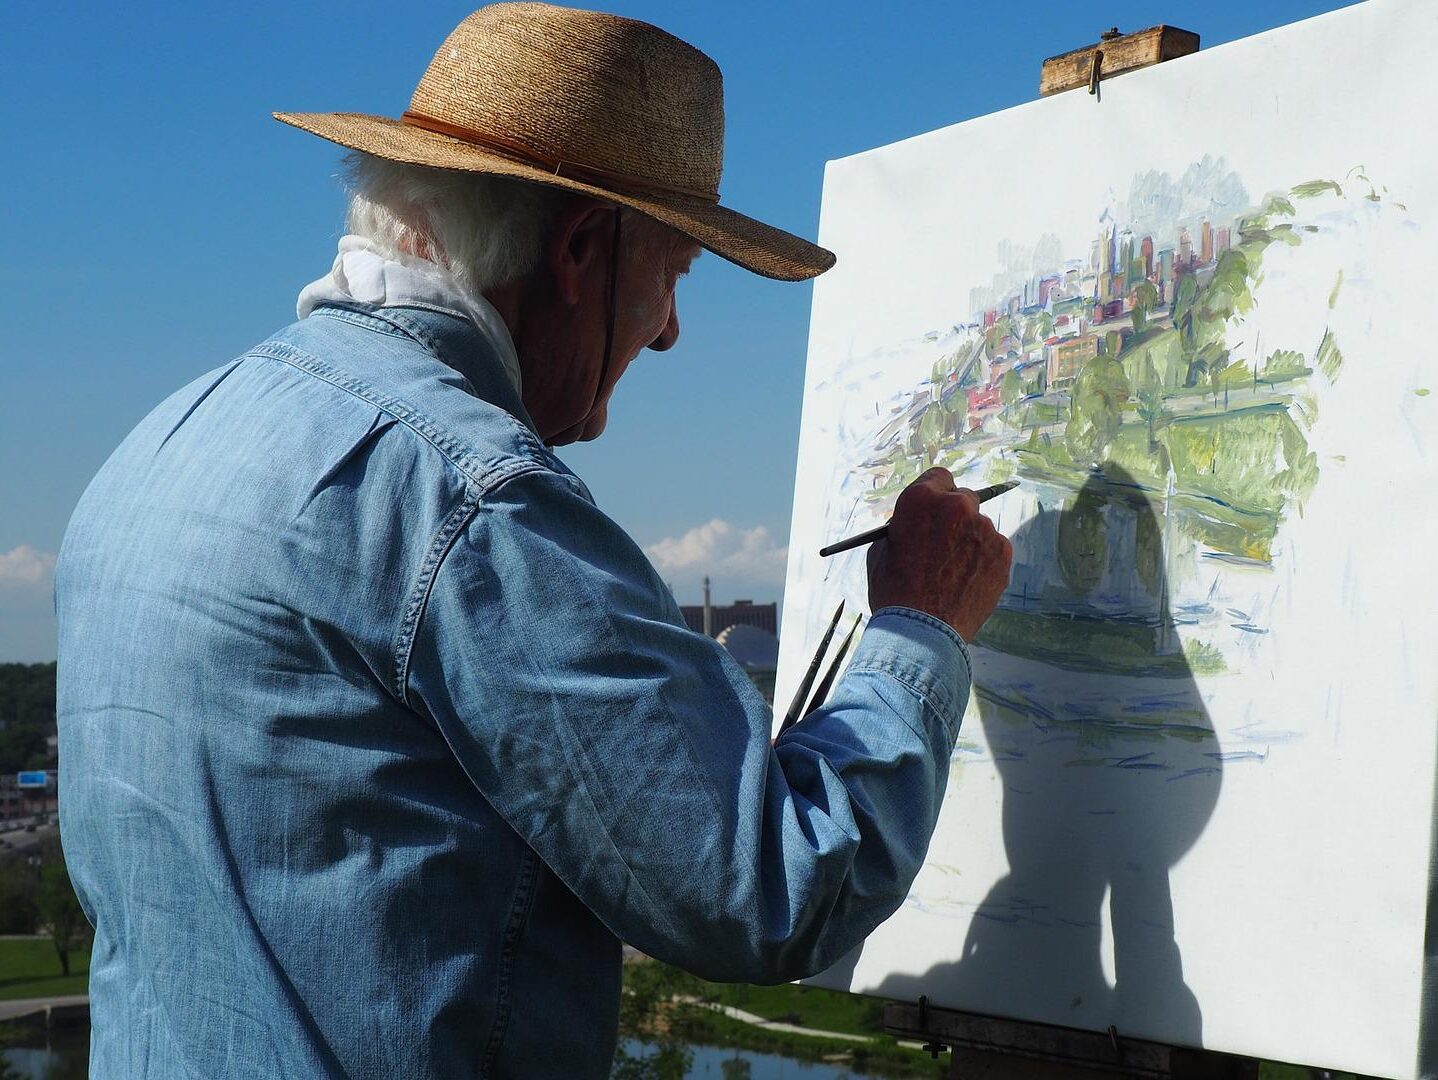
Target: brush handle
(797, 706)
(858, 540)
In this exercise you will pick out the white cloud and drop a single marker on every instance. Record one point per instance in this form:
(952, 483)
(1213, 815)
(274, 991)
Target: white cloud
(24, 567)
(741, 563)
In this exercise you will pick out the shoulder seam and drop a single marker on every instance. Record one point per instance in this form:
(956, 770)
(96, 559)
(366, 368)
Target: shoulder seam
(486, 474)
(454, 524)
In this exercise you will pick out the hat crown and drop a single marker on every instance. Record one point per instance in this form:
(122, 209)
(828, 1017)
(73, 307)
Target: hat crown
(582, 88)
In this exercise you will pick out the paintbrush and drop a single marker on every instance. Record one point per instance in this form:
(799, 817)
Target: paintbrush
(821, 693)
(984, 494)
(803, 694)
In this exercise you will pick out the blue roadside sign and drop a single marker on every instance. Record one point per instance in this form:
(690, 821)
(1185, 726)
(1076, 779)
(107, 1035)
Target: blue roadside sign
(36, 779)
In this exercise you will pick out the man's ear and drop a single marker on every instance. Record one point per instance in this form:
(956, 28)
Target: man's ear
(579, 243)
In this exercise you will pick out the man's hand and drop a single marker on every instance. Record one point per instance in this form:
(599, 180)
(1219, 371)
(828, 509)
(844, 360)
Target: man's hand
(941, 556)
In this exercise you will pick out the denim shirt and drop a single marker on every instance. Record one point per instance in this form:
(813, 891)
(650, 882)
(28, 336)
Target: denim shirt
(377, 737)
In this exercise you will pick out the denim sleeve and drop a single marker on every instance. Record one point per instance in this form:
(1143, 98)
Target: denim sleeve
(635, 757)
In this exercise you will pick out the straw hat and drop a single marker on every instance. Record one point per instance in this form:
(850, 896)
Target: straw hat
(593, 103)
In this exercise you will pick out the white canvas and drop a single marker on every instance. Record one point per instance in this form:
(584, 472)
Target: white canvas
(1193, 797)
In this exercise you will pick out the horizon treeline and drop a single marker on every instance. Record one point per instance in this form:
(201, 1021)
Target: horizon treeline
(27, 716)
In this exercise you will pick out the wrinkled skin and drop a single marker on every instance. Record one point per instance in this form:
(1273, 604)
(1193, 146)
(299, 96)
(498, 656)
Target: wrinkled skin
(941, 556)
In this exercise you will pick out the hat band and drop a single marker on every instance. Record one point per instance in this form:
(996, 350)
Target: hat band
(619, 182)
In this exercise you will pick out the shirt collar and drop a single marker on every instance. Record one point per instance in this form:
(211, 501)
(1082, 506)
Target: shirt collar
(363, 274)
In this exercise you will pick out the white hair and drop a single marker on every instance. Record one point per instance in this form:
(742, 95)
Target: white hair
(488, 230)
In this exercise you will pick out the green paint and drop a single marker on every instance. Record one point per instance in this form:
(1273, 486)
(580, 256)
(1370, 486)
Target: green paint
(1210, 422)
(1094, 645)
(1421, 392)
(1285, 363)
(1097, 406)
(1082, 544)
(1204, 659)
(1328, 359)
(1148, 551)
(1314, 188)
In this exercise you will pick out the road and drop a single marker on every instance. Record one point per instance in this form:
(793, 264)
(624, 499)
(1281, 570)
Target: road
(17, 841)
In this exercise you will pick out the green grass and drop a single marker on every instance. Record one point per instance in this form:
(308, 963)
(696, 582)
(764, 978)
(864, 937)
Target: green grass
(881, 1056)
(806, 1006)
(29, 968)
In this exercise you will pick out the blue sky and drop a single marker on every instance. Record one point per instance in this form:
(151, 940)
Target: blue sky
(158, 222)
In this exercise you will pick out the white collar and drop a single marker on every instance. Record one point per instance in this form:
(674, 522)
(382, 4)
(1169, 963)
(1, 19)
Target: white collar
(364, 274)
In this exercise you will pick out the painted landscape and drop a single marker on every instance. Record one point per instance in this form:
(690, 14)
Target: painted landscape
(1161, 428)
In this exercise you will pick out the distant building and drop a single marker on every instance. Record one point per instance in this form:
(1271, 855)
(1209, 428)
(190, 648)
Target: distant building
(756, 651)
(18, 802)
(1166, 273)
(739, 613)
(1067, 358)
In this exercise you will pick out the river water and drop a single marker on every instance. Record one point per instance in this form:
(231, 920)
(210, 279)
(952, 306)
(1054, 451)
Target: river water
(66, 1060)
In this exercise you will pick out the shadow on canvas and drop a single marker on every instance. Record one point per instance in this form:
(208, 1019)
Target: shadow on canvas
(1110, 770)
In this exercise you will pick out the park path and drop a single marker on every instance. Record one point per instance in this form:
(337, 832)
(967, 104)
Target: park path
(775, 1025)
(11, 1010)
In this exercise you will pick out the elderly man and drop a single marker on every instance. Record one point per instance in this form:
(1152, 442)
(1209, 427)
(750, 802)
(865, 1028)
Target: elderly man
(378, 737)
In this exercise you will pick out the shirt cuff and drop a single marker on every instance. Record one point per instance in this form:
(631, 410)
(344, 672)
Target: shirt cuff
(924, 653)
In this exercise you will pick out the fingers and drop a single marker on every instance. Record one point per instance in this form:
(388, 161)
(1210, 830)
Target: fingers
(935, 497)
(938, 478)
(931, 483)
(941, 556)
(871, 561)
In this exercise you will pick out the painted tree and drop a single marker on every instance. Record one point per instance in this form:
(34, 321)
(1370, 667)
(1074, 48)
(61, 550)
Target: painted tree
(1082, 542)
(1149, 390)
(1145, 299)
(1096, 408)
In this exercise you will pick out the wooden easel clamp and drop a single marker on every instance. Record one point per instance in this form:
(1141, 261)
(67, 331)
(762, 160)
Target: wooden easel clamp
(988, 1047)
(1114, 54)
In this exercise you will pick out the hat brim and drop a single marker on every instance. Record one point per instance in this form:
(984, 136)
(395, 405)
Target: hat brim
(742, 240)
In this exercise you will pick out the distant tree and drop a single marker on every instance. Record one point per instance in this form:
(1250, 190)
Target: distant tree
(647, 1009)
(18, 914)
(1145, 297)
(58, 906)
(27, 715)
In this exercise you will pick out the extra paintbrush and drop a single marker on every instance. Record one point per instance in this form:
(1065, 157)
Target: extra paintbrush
(821, 692)
(803, 694)
(984, 494)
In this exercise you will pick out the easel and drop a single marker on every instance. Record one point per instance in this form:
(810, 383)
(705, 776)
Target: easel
(990, 1048)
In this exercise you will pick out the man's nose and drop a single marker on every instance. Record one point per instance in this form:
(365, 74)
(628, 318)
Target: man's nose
(670, 334)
